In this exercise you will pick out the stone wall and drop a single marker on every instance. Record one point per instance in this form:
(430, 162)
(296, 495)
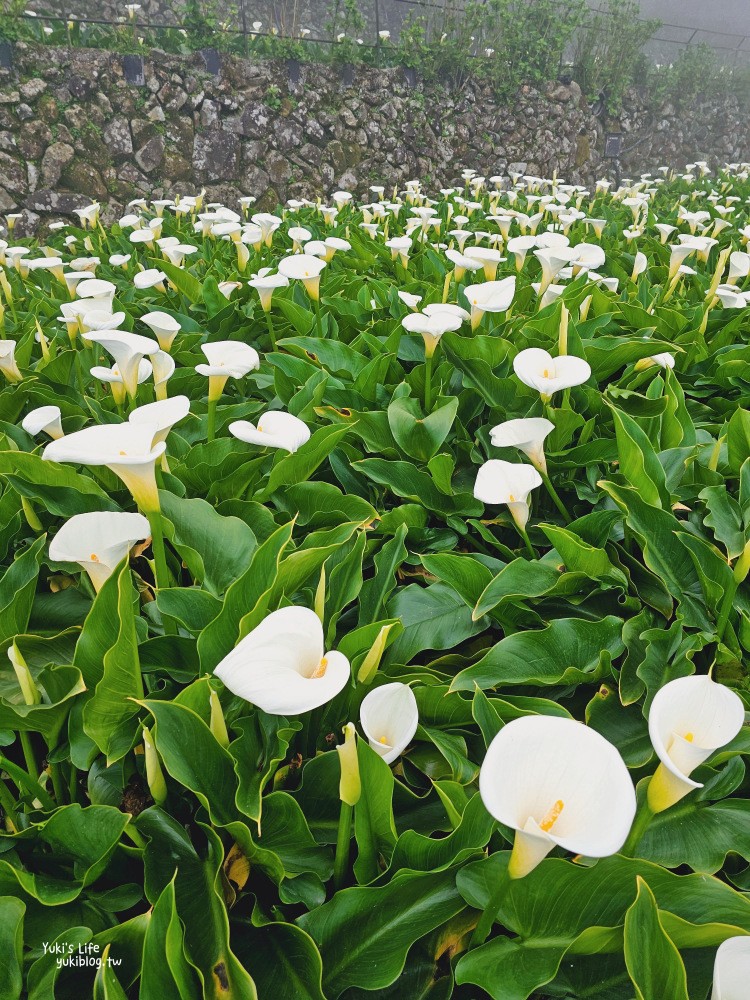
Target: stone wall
(72, 129)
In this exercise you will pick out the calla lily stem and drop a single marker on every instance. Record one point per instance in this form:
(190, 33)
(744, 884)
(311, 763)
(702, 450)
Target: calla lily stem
(555, 497)
(54, 770)
(427, 384)
(160, 562)
(26, 782)
(28, 754)
(341, 863)
(483, 928)
(271, 332)
(8, 805)
(642, 819)
(211, 434)
(525, 535)
(725, 609)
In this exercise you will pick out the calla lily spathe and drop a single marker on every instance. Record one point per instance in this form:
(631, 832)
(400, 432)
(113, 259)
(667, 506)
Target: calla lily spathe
(732, 969)
(389, 718)
(528, 434)
(431, 328)
(161, 415)
(126, 449)
(43, 418)
(275, 429)
(226, 359)
(282, 666)
(557, 783)
(128, 350)
(491, 296)
(509, 483)
(305, 268)
(689, 719)
(539, 370)
(98, 541)
(8, 364)
(164, 326)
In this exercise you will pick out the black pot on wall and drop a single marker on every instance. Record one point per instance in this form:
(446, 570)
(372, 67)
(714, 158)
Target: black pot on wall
(6, 55)
(212, 59)
(132, 67)
(294, 70)
(410, 75)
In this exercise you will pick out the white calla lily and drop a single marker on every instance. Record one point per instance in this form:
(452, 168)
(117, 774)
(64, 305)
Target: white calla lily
(128, 350)
(164, 326)
(126, 449)
(113, 378)
(732, 969)
(43, 418)
(265, 285)
(528, 434)
(509, 483)
(557, 783)
(163, 365)
(431, 327)
(491, 296)
(306, 268)
(539, 370)
(226, 359)
(8, 364)
(282, 666)
(689, 719)
(274, 429)
(98, 541)
(389, 717)
(161, 415)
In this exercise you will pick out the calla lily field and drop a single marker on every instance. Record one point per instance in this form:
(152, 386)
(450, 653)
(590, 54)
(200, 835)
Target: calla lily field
(374, 596)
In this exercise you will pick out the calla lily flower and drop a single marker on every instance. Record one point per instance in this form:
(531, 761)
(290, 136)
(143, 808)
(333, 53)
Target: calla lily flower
(128, 350)
(732, 969)
(739, 266)
(389, 717)
(126, 449)
(275, 429)
(98, 541)
(539, 370)
(400, 247)
(150, 278)
(557, 783)
(226, 359)
(299, 236)
(113, 377)
(43, 418)
(689, 719)
(440, 308)
(676, 258)
(266, 284)
(305, 268)
(8, 365)
(509, 483)
(161, 415)
(519, 246)
(553, 259)
(528, 434)
(412, 301)
(282, 666)
(640, 264)
(492, 297)
(664, 360)
(431, 328)
(488, 258)
(164, 326)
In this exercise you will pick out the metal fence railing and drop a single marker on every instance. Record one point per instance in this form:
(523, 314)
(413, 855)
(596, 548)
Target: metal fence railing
(239, 24)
